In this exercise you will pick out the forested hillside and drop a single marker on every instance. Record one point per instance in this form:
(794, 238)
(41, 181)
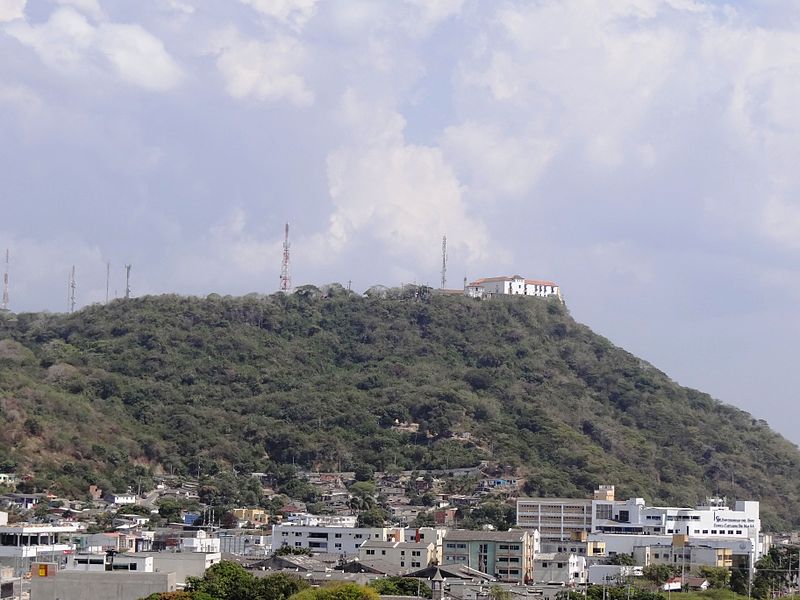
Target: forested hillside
(114, 393)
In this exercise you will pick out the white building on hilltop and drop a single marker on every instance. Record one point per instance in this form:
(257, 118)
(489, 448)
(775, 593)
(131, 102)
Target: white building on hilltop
(514, 285)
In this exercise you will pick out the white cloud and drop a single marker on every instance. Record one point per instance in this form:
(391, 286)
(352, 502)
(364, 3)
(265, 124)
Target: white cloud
(262, 70)
(495, 160)
(87, 7)
(294, 13)
(404, 196)
(138, 57)
(12, 9)
(432, 12)
(67, 42)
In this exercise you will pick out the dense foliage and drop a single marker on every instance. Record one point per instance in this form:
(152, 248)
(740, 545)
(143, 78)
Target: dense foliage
(218, 386)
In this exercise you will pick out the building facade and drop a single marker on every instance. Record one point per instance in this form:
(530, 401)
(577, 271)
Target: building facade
(506, 555)
(513, 285)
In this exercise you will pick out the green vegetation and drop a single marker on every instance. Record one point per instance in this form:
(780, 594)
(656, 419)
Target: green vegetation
(229, 581)
(338, 591)
(218, 387)
(401, 586)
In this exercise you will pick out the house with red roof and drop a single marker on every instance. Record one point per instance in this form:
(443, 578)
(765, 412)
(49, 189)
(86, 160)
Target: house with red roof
(513, 285)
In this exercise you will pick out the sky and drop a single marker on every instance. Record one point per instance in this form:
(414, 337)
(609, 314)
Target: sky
(642, 153)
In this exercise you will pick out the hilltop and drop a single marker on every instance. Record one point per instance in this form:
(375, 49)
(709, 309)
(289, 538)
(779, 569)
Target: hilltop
(112, 394)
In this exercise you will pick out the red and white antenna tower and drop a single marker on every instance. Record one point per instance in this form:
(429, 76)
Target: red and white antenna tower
(5, 284)
(286, 277)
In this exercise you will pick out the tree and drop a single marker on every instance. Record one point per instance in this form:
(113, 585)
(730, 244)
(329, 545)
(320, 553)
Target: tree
(292, 551)
(718, 577)
(372, 517)
(225, 580)
(279, 586)
(658, 574)
(344, 591)
(401, 586)
(498, 593)
(622, 559)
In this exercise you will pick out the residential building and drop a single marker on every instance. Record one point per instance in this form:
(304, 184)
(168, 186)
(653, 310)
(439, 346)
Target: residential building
(554, 567)
(507, 555)
(109, 561)
(8, 479)
(121, 499)
(404, 556)
(330, 539)
(513, 285)
(254, 516)
(183, 564)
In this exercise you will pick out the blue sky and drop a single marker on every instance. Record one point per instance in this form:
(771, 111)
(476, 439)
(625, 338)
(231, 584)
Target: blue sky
(642, 153)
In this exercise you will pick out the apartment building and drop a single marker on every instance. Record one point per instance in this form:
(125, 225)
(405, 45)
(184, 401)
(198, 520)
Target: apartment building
(561, 518)
(404, 556)
(345, 541)
(507, 555)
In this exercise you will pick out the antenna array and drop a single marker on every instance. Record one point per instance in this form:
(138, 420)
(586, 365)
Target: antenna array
(286, 277)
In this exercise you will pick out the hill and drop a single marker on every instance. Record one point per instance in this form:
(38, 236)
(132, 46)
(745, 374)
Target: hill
(112, 394)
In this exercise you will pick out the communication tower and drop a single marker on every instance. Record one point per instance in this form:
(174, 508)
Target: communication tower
(127, 281)
(108, 278)
(286, 277)
(444, 261)
(72, 287)
(5, 284)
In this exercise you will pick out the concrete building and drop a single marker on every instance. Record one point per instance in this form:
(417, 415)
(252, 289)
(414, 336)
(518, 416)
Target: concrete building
(514, 285)
(121, 499)
(109, 561)
(554, 567)
(183, 564)
(623, 525)
(254, 516)
(98, 585)
(555, 518)
(507, 555)
(404, 556)
(26, 542)
(344, 541)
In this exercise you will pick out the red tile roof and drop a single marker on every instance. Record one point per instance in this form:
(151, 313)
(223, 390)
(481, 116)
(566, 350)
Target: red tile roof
(483, 280)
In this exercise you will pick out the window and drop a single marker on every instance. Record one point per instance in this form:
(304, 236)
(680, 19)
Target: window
(560, 565)
(383, 552)
(415, 553)
(544, 565)
(655, 555)
(705, 530)
(415, 564)
(602, 511)
(738, 532)
(697, 531)
(370, 552)
(451, 546)
(337, 535)
(713, 531)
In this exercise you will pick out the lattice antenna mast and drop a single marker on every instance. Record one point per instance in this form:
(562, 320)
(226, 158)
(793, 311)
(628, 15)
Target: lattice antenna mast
(108, 278)
(286, 276)
(127, 281)
(72, 287)
(5, 284)
(444, 261)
